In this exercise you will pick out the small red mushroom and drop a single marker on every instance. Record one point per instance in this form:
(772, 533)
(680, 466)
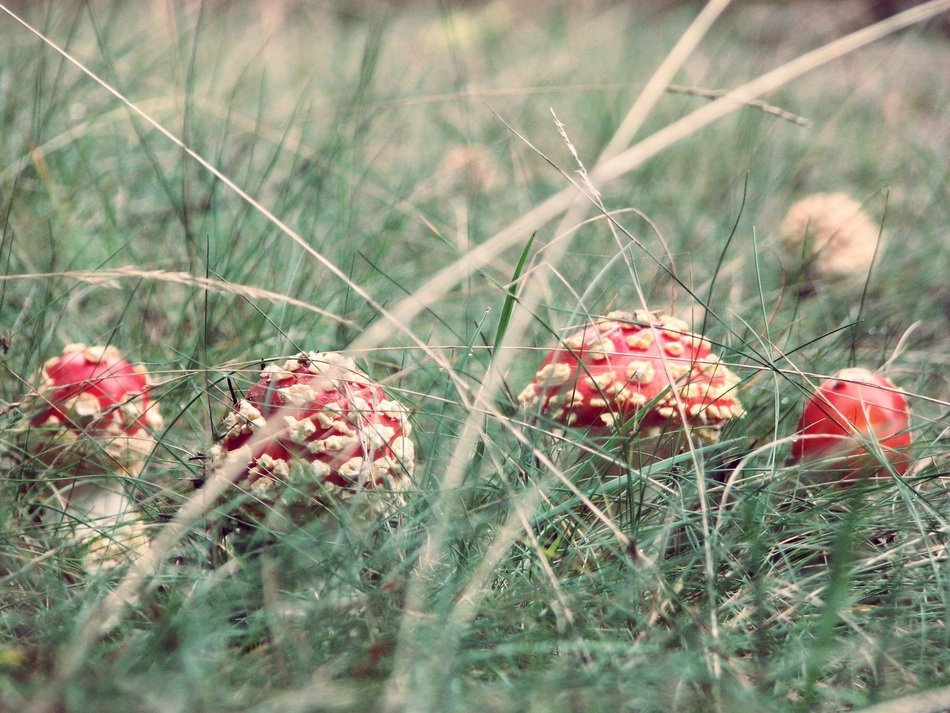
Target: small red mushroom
(854, 422)
(92, 413)
(317, 426)
(91, 421)
(639, 365)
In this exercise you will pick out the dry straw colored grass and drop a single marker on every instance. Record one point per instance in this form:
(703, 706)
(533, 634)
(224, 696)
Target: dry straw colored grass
(288, 218)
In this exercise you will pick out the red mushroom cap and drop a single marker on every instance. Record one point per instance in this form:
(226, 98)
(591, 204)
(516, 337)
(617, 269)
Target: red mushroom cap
(92, 412)
(842, 421)
(628, 364)
(320, 411)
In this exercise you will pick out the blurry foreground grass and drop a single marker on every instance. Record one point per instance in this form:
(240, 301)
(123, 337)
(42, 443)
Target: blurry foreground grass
(397, 144)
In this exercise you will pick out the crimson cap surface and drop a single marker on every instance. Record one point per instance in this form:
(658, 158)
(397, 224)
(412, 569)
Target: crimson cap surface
(92, 412)
(320, 419)
(851, 421)
(635, 364)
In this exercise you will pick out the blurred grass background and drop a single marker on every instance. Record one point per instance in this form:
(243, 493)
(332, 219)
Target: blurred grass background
(394, 138)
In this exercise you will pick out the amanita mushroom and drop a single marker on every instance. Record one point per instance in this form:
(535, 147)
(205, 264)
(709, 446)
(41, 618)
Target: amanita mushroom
(468, 168)
(832, 234)
(94, 519)
(90, 425)
(92, 413)
(638, 366)
(856, 425)
(317, 429)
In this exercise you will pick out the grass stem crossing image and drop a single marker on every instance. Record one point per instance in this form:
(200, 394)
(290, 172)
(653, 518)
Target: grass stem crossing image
(474, 356)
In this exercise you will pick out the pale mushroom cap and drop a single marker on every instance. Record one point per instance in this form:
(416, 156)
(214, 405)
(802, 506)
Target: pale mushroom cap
(469, 167)
(832, 233)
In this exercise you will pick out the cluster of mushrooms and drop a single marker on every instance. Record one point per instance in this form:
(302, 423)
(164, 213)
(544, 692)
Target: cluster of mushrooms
(650, 374)
(316, 430)
(312, 431)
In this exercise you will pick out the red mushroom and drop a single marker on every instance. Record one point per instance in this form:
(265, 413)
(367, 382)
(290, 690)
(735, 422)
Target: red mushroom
(319, 427)
(852, 425)
(92, 413)
(90, 424)
(640, 365)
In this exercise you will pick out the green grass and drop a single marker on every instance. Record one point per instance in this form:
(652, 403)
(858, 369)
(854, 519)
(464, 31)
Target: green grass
(496, 588)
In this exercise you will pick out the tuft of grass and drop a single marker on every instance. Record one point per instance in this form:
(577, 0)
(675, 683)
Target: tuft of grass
(443, 194)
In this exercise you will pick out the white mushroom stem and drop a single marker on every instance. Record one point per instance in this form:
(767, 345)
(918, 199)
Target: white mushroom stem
(95, 513)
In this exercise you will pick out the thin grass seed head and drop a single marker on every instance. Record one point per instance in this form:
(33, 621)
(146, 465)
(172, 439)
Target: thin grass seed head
(832, 235)
(331, 433)
(854, 422)
(639, 365)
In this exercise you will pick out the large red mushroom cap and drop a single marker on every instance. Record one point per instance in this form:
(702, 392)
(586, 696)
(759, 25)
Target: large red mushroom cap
(853, 421)
(635, 364)
(319, 425)
(91, 413)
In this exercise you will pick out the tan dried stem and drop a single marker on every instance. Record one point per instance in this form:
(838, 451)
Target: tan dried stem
(626, 161)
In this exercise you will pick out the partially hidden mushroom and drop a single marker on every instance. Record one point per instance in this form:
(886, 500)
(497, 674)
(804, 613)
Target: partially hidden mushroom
(92, 412)
(315, 431)
(832, 236)
(636, 372)
(94, 519)
(855, 426)
(90, 429)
